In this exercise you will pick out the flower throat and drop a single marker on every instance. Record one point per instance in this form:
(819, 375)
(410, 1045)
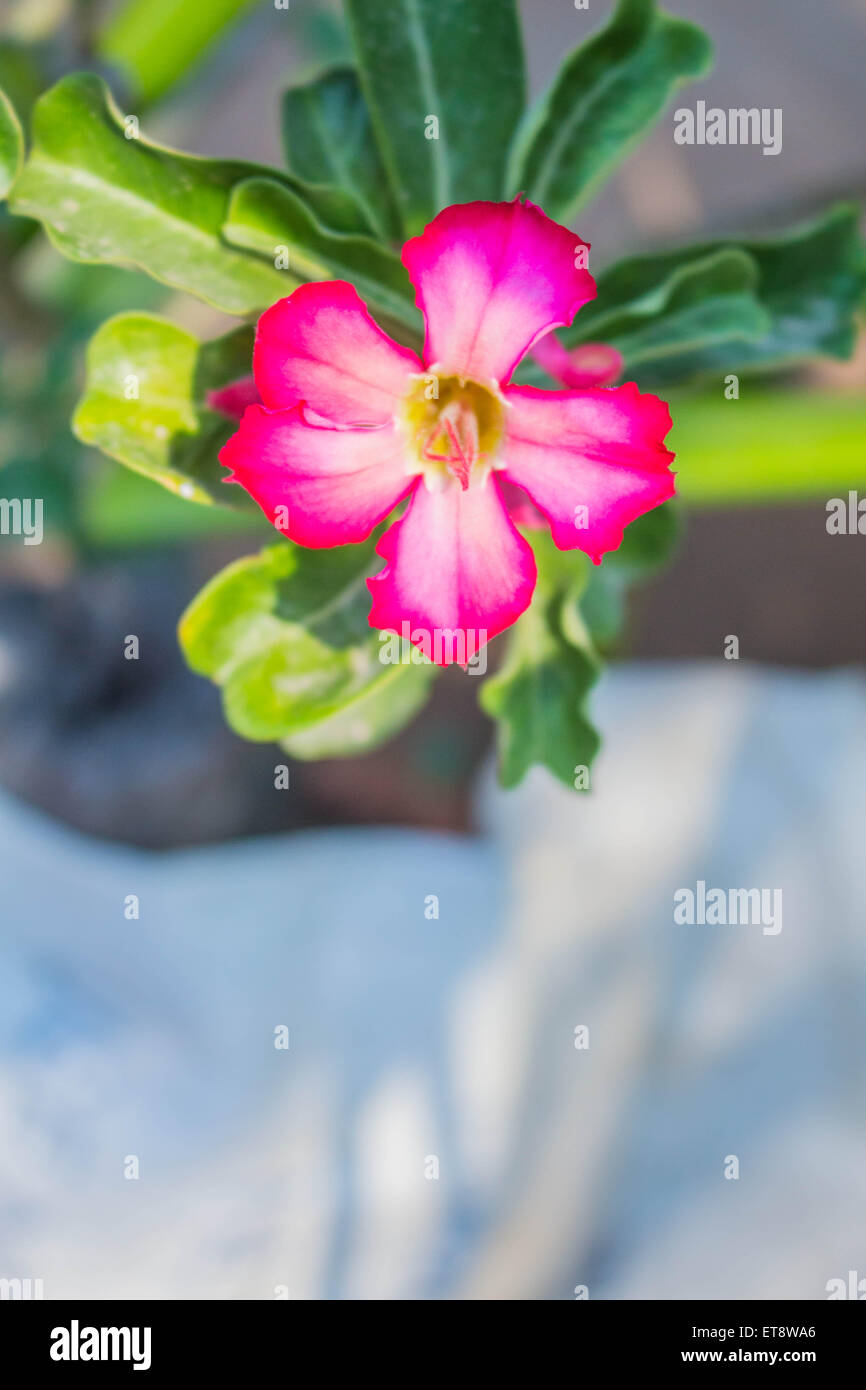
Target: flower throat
(455, 428)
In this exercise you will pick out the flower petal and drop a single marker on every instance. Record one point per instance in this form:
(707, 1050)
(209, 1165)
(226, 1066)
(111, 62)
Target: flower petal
(520, 509)
(334, 485)
(457, 572)
(490, 279)
(592, 461)
(589, 364)
(321, 346)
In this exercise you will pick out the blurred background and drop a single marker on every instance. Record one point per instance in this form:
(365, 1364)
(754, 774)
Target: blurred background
(431, 943)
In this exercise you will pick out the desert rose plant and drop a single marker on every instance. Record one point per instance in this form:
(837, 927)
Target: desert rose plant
(448, 416)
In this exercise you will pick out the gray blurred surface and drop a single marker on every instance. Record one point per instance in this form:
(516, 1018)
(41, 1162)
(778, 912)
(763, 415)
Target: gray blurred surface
(453, 1038)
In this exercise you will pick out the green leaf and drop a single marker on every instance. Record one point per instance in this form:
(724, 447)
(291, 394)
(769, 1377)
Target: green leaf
(106, 198)
(673, 307)
(157, 41)
(285, 636)
(363, 720)
(250, 601)
(811, 284)
(328, 139)
(684, 313)
(459, 62)
(144, 403)
(605, 95)
(11, 144)
(264, 215)
(538, 696)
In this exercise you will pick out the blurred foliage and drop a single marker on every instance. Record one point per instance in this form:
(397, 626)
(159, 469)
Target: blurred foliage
(767, 447)
(11, 145)
(157, 42)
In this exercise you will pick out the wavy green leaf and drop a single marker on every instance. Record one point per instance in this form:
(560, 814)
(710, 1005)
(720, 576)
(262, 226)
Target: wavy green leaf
(263, 216)
(724, 306)
(811, 286)
(709, 300)
(607, 93)
(104, 197)
(456, 62)
(285, 636)
(145, 403)
(328, 139)
(369, 718)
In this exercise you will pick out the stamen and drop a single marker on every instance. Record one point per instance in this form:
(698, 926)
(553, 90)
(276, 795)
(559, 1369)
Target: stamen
(457, 432)
(466, 452)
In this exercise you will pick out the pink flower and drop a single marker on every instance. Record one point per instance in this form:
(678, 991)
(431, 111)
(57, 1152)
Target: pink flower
(590, 364)
(351, 423)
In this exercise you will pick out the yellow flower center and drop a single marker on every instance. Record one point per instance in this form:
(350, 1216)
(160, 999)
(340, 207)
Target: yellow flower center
(455, 428)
